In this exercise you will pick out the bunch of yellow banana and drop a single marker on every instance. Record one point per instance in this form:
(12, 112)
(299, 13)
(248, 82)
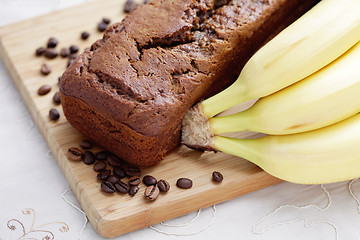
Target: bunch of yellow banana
(308, 82)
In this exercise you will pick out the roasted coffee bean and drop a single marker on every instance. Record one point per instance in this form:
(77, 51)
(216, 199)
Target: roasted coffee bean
(107, 187)
(64, 52)
(129, 6)
(59, 79)
(152, 192)
(119, 171)
(75, 154)
(99, 166)
(45, 69)
(73, 56)
(52, 42)
(133, 190)
(114, 160)
(163, 185)
(113, 179)
(134, 181)
(217, 176)
(50, 53)
(54, 114)
(106, 20)
(133, 171)
(40, 51)
(149, 180)
(146, 1)
(86, 144)
(104, 175)
(102, 26)
(56, 98)
(184, 183)
(74, 49)
(88, 157)
(121, 187)
(44, 89)
(84, 35)
(102, 155)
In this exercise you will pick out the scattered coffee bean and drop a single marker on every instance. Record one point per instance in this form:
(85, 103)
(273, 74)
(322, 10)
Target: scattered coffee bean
(106, 20)
(64, 52)
(45, 69)
(50, 53)
(107, 187)
(133, 171)
(163, 185)
(114, 160)
(99, 166)
(52, 42)
(102, 26)
(59, 79)
(86, 144)
(74, 49)
(54, 114)
(85, 35)
(129, 6)
(119, 171)
(149, 180)
(113, 179)
(184, 183)
(74, 154)
(44, 89)
(122, 187)
(102, 155)
(217, 176)
(134, 181)
(151, 192)
(40, 51)
(73, 56)
(133, 190)
(88, 157)
(56, 98)
(146, 1)
(103, 175)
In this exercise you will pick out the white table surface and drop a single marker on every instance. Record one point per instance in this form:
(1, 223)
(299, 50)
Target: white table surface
(32, 185)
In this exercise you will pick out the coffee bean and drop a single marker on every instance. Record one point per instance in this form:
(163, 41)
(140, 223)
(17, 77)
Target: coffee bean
(64, 52)
(107, 187)
(99, 166)
(133, 171)
(114, 160)
(129, 6)
(45, 69)
(152, 192)
(59, 79)
(106, 20)
(75, 154)
(146, 1)
(40, 51)
(134, 181)
(119, 171)
(74, 49)
(113, 179)
(73, 56)
(54, 114)
(50, 53)
(88, 157)
(217, 176)
(149, 180)
(163, 185)
(184, 183)
(121, 187)
(56, 98)
(103, 175)
(44, 89)
(86, 144)
(133, 190)
(102, 155)
(52, 42)
(84, 35)
(102, 26)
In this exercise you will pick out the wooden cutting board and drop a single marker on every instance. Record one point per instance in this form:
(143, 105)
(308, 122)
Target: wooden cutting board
(113, 214)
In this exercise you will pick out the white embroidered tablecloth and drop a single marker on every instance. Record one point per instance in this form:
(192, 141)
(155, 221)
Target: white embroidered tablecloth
(35, 201)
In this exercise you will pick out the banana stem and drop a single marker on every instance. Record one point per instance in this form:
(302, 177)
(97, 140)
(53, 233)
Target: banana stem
(230, 123)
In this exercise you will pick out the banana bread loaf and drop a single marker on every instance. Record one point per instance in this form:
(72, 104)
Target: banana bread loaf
(131, 89)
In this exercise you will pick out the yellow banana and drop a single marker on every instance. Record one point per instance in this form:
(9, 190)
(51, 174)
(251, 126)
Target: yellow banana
(325, 155)
(310, 43)
(325, 97)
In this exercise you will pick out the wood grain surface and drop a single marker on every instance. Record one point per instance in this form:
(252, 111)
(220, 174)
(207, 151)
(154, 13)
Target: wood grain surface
(113, 214)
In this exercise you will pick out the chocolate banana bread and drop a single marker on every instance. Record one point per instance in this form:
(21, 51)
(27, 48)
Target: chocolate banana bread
(131, 89)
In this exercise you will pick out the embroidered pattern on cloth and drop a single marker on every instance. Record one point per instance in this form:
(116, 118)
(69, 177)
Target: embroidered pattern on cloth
(34, 232)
